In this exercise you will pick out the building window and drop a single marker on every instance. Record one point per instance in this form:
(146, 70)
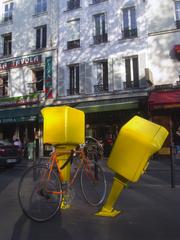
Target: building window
(8, 11)
(41, 37)
(4, 86)
(98, 1)
(73, 34)
(101, 69)
(132, 72)
(177, 10)
(100, 31)
(73, 79)
(7, 44)
(38, 80)
(73, 4)
(41, 6)
(129, 22)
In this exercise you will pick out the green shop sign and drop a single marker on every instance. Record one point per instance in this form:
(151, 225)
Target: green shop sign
(17, 101)
(48, 77)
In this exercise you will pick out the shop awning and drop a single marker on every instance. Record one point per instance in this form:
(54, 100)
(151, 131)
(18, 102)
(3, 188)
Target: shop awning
(19, 115)
(107, 105)
(164, 99)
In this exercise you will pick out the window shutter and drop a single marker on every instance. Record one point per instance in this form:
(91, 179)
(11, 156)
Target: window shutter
(44, 36)
(61, 89)
(136, 71)
(88, 78)
(116, 82)
(38, 37)
(82, 77)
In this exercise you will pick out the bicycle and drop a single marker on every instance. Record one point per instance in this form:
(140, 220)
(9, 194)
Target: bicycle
(42, 191)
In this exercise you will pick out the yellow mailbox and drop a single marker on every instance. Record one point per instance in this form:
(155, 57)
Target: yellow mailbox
(137, 140)
(63, 126)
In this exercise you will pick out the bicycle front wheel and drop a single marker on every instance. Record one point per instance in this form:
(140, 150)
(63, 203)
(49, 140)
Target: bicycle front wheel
(36, 193)
(93, 183)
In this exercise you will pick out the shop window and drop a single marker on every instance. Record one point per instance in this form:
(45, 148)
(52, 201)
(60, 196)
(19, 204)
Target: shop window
(38, 80)
(73, 4)
(177, 13)
(41, 6)
(7, 44)
(3, 86)
(129, 23)
(132, 72)
(41, 37)
(100, 31)
(8, 11)
(101, 69)
(73, 79)
(73, 34)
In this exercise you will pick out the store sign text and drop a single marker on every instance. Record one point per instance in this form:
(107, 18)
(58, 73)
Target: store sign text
(20, 62)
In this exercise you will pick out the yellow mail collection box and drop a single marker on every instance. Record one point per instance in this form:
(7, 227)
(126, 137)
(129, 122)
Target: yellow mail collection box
(63, 125)
(138, 139)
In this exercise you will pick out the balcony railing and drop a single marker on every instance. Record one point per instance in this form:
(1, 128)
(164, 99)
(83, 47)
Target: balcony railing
(178, 24)
(73, 4)
(100, 38)
(130, 85)
(99, 88)
(129, 33)
(73, 44)
(72, 91)
(7, 18)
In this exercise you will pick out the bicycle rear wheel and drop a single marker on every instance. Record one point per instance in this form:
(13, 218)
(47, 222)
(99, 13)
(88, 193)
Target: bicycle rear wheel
(35, 193)
(93, 183)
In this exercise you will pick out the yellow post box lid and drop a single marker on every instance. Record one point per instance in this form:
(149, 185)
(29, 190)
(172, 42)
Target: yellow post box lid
(63, 125)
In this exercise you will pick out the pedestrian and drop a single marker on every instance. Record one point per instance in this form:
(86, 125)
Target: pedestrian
(17, 143)
(178, 141)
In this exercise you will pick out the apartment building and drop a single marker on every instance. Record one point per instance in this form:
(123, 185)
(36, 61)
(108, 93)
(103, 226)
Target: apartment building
(164, 64)
(103, 61)
(28, 63)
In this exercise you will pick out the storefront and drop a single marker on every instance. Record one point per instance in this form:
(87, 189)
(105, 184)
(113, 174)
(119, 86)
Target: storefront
(104, 118)
(164, 108)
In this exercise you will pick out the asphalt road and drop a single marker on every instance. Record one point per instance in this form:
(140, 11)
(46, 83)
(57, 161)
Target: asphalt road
(150, 211)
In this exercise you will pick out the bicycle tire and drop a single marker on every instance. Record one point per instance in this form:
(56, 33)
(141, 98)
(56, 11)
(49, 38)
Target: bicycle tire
(36, 203)
(93, 183)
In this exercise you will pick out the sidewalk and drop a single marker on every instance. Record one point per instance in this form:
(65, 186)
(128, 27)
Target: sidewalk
(150, 210)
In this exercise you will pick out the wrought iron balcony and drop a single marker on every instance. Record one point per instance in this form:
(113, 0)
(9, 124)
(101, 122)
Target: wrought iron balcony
(100, 38)
(72, 91)
(100, 88)
(178, 24)
(73, 4)
(129, 33)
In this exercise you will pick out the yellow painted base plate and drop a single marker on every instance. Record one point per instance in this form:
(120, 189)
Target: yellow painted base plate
(105, 213)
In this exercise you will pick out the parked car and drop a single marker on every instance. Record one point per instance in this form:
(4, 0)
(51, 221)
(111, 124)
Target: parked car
(9, 153)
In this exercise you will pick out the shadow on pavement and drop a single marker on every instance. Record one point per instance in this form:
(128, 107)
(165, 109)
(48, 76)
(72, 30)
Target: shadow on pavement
(27, 229)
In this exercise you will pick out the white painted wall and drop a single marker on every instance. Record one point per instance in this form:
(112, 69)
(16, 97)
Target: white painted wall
(116, 48)
(24, 37)
(163, 36)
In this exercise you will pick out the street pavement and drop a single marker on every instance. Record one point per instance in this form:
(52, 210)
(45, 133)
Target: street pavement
(150, 210)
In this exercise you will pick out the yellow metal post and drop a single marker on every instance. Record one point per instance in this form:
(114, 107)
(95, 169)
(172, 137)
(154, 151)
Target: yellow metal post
(117, 187)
